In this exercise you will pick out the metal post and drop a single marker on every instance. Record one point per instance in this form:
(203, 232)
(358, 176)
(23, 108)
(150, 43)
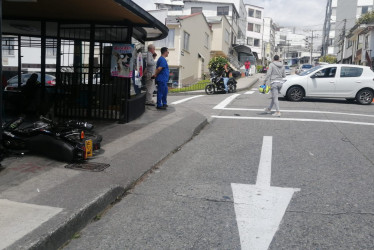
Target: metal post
(90, 69)
(19, 62)
(1, 77)
(43, 56)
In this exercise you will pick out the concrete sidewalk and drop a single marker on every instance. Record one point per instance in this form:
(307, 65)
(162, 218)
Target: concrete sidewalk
(43, 204)
(243, 83)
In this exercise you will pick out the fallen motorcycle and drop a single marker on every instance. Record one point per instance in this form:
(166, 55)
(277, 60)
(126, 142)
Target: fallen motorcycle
(69, 141)
(216, 83)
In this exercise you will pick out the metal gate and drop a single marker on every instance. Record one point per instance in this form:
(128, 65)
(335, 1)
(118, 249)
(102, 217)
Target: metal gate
(84, 85)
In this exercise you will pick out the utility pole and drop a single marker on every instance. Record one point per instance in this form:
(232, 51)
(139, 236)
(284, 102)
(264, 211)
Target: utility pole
(263, 48)
(311, 44)
(326, 28)
(343, 42)
(288, 47)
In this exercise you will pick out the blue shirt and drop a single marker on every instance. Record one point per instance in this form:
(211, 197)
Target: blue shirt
(163, 76)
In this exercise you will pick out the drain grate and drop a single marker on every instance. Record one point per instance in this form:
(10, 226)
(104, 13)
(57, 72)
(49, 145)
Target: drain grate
(88, 166)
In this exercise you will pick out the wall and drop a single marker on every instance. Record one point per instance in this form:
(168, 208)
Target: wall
(218, 41)
(190, 63)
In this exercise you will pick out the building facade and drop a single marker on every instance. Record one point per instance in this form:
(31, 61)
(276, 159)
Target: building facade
(255, 29)
(343, 17)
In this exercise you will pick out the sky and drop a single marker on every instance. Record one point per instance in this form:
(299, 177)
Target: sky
(305, 15)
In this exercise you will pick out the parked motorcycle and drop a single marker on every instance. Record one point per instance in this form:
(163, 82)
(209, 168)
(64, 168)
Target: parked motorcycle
(68, 141)
(216, 83)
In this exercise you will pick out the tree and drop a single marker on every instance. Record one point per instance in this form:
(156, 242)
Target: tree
(328, 59)
(216, 64)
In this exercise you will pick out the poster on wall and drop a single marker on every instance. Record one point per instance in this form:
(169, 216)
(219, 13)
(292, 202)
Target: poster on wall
(122, 60)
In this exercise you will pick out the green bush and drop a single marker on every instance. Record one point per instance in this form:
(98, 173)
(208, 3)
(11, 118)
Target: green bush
(328, 58)
(216, 64)
(259, 68)
(197, 86)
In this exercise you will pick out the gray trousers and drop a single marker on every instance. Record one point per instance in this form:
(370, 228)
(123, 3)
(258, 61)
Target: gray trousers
(150, 85)
(275, 87)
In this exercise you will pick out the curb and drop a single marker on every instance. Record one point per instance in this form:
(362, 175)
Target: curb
(254, 81)
(64, 232)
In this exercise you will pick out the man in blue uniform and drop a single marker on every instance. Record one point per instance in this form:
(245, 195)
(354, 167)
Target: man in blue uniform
(162, 78)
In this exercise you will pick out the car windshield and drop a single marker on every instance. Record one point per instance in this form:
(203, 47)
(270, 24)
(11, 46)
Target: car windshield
(287, 67)
(310, 70)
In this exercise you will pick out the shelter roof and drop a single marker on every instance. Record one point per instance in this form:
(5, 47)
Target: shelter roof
(21, 16)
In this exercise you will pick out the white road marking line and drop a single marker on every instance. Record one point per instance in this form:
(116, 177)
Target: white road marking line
(291, 119)
(186, 99)
(226, 102)
(249, 93)
(302, 111)
(254, 89)
(259, 208)
(264, 170)
(18, 219)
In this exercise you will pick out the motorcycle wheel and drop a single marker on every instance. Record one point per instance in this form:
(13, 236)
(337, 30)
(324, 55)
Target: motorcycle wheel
(232, 88)
(210, 89)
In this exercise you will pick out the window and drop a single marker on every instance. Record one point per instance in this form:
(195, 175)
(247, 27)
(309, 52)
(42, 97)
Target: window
(223, 10)
(167, 41)
(186, 41)
(227, 36)
(351, 72)
(326, 73)
(51, 50)
(251, 12)
(250, 27)
(8, 44)
(256, 42)
(257, 28)
(364, 9)
(250, 41)
(175, 7)
(206, 40)
(196, 10)
(258, 14)
(366, 42)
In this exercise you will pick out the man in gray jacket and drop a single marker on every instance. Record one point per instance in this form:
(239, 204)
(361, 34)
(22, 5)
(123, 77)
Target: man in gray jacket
(149, 71)
(274, 77)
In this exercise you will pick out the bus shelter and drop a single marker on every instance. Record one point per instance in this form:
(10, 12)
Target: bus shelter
(86, 37)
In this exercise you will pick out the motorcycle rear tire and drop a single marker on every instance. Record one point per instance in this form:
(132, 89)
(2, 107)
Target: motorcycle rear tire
(232, 88)
(210, 89)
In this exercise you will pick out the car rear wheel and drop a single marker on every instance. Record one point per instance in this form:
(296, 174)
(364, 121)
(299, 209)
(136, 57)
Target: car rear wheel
(295, 94)
(365, 96)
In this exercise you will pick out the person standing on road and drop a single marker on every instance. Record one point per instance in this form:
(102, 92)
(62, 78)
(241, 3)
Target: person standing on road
(162, 78)
(247, 65)
(274, 77)
(149, 71)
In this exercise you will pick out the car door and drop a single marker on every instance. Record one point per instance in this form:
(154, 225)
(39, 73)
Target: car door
(322, 82)
(349, 81)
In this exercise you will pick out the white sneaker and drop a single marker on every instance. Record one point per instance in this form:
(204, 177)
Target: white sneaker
(277, 114)
(267, 111)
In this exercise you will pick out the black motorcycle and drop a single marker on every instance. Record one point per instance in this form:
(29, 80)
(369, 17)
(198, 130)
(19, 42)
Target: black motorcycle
(68, 141)
(216, 83)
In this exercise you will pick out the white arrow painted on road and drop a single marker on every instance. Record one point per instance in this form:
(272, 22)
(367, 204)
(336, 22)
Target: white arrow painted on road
(260, 208)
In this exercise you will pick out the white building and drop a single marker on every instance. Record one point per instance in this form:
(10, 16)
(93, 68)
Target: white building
(343, 17)
(254, 33)
(234, 11)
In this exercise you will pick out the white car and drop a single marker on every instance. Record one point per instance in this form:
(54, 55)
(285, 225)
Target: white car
(331, 81)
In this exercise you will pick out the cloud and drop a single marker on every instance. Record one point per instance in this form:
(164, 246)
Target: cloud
(294, 13)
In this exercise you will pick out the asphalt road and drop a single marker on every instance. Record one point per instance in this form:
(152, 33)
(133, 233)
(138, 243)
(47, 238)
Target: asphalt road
(324, 148)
